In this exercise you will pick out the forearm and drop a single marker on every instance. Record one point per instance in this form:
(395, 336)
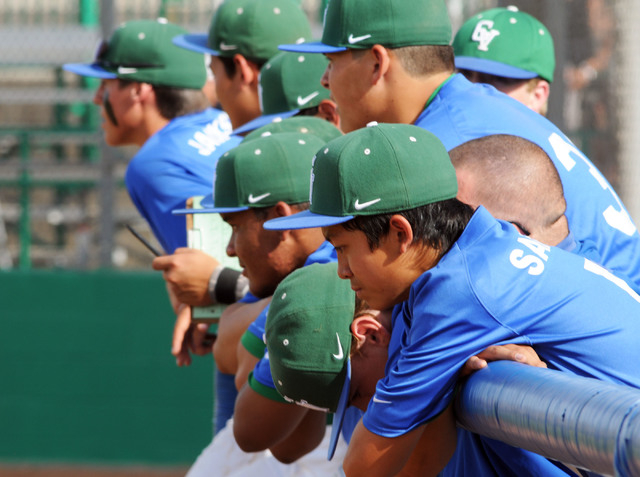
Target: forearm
(305, 438)
(260, 423)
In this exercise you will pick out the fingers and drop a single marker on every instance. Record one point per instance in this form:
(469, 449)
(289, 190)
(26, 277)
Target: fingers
(179, 345)
(471, 365)
(201, 341)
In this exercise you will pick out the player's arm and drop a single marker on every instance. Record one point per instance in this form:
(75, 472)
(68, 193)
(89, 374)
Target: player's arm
(422, 451)
(261, 423)
(234, 321)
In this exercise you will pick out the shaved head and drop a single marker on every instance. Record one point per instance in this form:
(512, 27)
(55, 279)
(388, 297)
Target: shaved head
(514, 180)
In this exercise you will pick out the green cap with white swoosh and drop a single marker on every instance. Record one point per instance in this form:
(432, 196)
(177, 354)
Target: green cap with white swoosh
(265, 171)
(380, 169)
(360, 24)
(289, 83)
(308, 336)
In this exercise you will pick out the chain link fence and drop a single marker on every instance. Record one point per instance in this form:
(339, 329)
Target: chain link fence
(62, 199)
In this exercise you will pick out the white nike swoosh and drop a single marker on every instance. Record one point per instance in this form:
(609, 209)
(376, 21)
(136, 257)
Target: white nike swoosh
(340, 354)
(225, 47)
(364, 205)
(380, 401)
(356, 39)
(123, 70)
(302, 101)
(253, 200)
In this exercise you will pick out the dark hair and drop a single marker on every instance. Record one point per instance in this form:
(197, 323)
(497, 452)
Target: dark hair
(262, 213)
(230, 66)
(425, 59)
(437, 225)
(173, 102)
(497, 81)
(312, 111)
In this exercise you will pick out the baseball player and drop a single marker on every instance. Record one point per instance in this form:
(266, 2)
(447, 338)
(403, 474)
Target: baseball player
(399, 68)
(457, 281)
(247, 193)
(150, 96)
(510, 50)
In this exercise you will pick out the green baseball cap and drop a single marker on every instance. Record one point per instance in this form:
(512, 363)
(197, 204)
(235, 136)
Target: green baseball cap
(142, 50)
(252, 28)
(308, 336)
(505, 42)
(263, 172)
(300, 124)
(383, 168)
(289, 82)
(360, 24)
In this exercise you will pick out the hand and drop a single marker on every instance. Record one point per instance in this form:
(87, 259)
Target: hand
(189, 337)
(511, 352)
(187, 274)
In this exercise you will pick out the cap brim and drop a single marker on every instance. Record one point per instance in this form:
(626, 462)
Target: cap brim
(311, 47)
(304, 220)
(492, 68)
(338, 417)
(263, 121)
(212, 210)
(91, 70)
(198, 42)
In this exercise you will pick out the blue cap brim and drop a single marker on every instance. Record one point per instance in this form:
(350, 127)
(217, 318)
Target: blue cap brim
(198, 42)
(312, 47)
(492, 68)
(338, 417)
(91, 70)
(209, 210)
(263, 121)
(304, 220)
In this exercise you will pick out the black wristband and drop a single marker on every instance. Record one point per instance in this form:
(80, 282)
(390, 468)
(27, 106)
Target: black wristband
(225, 289)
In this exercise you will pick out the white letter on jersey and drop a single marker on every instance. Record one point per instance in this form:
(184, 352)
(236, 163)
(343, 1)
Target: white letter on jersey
(603, 272)
(534, 264)
(617, 218)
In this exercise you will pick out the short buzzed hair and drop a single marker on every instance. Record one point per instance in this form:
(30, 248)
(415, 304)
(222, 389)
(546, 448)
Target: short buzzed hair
(513, 178)
(425, 59)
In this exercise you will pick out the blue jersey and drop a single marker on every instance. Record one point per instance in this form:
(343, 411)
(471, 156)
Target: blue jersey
(462, 111)
(496, 286)
(176, 163)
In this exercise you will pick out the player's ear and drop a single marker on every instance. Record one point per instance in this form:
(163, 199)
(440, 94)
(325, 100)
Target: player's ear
(366, 327)
(248, 70)
(328, 111)
(400, 232)
(540, 96)
(282, 209)
(382, 62)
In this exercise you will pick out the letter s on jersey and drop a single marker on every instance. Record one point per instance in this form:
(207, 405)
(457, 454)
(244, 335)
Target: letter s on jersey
(534, 263)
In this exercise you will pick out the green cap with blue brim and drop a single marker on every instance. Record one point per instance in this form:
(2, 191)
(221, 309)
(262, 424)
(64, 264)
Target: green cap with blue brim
(505, 42)
(251, 28)
(289, 83)
(383, 168)
(308, 337)
(360, 24)
(142, 50)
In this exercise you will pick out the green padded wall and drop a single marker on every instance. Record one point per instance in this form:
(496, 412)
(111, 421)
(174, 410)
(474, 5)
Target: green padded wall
(86, 373)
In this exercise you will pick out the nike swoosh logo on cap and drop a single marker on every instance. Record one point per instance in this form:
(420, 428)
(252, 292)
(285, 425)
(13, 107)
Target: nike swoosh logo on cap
(364, 205)
(302, 101)
(123, 70)
(357, 39)
(225, 47)
(340, 354)
(380, 401)
(253, 200)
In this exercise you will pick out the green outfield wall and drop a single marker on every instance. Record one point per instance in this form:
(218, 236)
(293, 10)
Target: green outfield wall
(86, 373)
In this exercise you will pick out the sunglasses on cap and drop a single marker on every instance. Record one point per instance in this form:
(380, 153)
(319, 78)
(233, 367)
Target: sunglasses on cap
(100, 60)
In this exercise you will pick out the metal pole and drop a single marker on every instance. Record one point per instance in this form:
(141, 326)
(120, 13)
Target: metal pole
(628, 100)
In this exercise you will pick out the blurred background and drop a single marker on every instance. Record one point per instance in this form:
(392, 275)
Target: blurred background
(86, 376)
